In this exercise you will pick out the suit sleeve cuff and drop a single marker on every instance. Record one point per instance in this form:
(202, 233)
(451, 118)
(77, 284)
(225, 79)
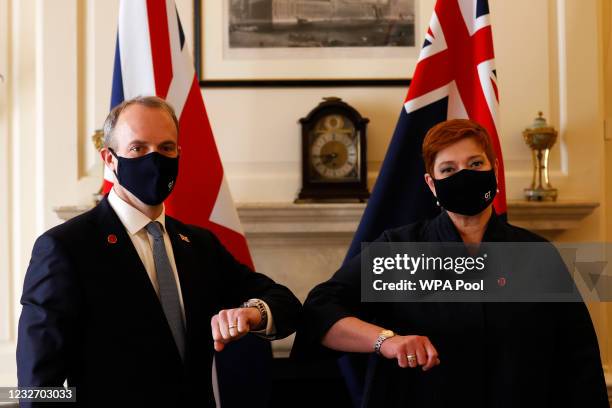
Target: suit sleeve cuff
(270, 330)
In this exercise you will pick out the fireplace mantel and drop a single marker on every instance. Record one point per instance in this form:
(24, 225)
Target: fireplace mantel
(280, 219)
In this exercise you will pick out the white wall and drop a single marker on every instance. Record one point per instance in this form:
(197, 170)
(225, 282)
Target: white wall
(605, 315)
(6, 300)
(57, 60)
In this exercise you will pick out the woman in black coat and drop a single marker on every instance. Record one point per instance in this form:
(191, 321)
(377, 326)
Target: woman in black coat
(476, 354)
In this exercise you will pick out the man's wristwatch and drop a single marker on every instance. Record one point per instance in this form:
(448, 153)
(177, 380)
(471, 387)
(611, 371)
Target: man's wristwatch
(384, 335)
(259, 304)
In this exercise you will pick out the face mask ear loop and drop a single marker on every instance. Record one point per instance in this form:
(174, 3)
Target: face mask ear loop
(110, 149)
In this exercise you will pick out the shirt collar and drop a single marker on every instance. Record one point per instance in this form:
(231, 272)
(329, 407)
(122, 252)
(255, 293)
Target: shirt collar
(131, 218)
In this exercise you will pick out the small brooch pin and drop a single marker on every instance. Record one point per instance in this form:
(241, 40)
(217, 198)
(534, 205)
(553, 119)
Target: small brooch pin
(184, 238)
(111, 239)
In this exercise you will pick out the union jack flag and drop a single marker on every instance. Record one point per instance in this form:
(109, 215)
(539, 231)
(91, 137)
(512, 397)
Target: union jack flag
(152, 58)
(455, 77)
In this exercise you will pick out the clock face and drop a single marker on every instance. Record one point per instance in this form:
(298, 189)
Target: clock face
(334, 150)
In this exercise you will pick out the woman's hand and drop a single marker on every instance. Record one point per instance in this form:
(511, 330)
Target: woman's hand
(400, 347)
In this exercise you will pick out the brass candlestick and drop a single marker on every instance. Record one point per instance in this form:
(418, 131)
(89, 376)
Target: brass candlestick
(540, 138)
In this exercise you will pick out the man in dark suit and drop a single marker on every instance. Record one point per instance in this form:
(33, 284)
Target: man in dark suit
(123, 301)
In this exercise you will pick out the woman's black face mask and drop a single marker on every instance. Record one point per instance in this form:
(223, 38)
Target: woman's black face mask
(467, 192)
(150, 178)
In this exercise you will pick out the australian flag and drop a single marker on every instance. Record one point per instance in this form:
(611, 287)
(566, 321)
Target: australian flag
(455, 77)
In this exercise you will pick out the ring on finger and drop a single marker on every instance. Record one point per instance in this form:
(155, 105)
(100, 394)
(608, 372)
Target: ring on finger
(233, 326)
(411, 359)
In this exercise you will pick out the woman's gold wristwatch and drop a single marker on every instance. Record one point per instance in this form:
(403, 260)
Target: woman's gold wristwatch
(384, 335)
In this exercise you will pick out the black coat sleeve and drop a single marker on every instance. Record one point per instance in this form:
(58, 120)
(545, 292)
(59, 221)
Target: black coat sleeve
(327, 303)
(47, 324)
(238, 283)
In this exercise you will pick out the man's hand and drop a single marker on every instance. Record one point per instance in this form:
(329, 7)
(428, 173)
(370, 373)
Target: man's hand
(232, 324)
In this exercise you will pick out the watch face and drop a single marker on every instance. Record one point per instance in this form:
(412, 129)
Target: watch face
(334, 150)
(387, 333)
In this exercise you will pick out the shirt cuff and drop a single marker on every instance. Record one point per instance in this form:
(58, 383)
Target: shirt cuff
(270, 331)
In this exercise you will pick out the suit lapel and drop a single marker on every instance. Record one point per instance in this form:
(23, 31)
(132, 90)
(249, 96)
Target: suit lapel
(121, 252)
(127, 268)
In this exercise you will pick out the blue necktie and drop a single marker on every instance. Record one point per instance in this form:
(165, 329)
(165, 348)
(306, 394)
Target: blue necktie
(168, 290)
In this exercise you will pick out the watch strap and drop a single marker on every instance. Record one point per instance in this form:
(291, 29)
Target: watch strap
(384, 335)
(259, 305)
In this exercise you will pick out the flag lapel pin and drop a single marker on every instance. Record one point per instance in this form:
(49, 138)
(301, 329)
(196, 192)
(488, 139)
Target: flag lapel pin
(184, 238)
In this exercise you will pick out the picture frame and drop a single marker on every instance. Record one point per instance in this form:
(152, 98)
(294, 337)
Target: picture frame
(219, 66)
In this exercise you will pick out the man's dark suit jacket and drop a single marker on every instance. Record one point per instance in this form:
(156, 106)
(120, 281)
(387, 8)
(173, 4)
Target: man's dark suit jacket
(91, 316)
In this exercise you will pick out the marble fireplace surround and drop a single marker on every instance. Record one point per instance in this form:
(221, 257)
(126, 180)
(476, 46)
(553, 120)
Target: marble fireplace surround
(300, 245)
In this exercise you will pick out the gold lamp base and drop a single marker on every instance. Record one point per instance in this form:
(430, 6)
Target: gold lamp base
(541, 194)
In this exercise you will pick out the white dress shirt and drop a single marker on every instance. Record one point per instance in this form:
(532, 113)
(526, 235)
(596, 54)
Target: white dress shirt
(135, 222)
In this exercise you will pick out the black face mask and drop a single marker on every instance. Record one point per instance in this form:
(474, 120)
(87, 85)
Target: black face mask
(467, 192)
(150, 178)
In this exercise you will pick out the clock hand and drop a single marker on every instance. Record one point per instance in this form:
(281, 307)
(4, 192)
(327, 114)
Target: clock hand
(334, 156)
(326, 158)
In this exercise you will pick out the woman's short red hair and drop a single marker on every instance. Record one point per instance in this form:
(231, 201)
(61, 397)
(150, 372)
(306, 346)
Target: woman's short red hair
(450, 132)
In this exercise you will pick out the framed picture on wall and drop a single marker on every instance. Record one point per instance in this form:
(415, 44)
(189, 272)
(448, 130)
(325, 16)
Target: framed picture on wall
(306, 42)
